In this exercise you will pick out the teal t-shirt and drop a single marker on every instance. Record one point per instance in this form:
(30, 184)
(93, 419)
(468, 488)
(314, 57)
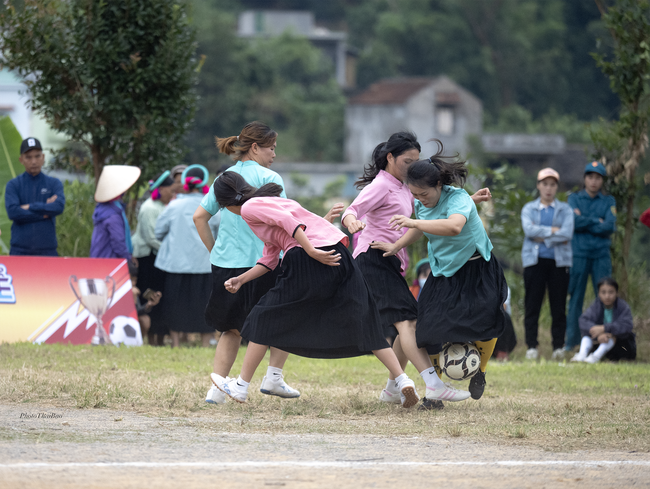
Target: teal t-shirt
(448, 253)
(608, 315)
(236, 245)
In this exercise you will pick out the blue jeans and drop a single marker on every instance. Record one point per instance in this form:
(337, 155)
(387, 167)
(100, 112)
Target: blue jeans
(23, 252)
(582, 268)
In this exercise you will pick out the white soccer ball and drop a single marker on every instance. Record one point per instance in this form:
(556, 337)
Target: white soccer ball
(125, 330)
(460, 361)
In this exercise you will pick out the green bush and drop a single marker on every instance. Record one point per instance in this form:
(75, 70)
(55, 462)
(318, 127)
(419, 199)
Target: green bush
(74, 228)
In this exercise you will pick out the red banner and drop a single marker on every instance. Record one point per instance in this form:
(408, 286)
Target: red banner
(59, 300)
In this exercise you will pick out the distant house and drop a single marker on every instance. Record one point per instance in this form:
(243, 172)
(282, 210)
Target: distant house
(429, 107)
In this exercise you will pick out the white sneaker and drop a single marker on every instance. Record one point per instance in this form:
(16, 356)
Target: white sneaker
(215, 396)
(558, 354)
(280, 389)
(446, 393)
(591, 358)
(390, 397)
(218, 381)
(578, 358)
(532, 354)
(407, 393)
(233, 390)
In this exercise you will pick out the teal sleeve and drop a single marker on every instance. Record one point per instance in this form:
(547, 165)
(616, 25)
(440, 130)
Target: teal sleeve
(460, 203)
(209, 202)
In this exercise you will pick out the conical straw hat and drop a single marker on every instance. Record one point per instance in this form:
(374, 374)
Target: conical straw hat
(115, 180)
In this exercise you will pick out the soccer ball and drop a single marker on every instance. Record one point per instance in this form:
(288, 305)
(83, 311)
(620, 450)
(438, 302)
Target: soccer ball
(125, 331)
(460, 361)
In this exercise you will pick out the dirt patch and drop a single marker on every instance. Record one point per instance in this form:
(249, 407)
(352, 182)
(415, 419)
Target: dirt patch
(72, 448)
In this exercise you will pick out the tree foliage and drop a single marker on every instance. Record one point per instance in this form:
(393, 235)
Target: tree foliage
(622, 145)
(118, 76)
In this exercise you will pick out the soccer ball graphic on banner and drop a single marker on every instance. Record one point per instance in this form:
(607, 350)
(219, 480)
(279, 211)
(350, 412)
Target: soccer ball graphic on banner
(125, 331)
(460, 361)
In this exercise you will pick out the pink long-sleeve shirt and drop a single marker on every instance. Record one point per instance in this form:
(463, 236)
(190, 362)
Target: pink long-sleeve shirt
(383, 198)
(275, 221)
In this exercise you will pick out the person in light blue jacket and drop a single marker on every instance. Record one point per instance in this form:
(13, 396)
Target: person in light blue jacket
(547, 258)
(188, 277)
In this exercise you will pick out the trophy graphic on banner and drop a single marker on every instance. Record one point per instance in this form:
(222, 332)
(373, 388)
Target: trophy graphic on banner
(93, 295)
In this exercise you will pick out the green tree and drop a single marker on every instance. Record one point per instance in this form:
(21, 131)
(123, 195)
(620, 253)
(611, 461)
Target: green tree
(117, 76)
(622, 146)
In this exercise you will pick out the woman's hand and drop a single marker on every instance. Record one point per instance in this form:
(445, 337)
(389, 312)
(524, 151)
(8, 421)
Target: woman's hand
(155, 299)
(398, 222)
(334, 212)
(353, 225)
(326, 257)
(482, 195)
(389, 248)
(232, 285)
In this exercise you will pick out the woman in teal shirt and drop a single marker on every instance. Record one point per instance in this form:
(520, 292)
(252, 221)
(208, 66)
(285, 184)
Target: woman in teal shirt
(462, 299)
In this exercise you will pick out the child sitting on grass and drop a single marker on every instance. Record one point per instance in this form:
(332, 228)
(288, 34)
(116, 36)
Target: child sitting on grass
(607, 323)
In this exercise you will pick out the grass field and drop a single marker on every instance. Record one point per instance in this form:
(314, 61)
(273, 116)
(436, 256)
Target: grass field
(556, 406)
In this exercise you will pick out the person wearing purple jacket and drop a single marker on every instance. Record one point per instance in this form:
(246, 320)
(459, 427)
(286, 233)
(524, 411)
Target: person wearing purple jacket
(112, 235)
(606, 327)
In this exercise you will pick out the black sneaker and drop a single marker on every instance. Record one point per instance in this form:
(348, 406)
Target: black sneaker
(431, 405)
(477, 385)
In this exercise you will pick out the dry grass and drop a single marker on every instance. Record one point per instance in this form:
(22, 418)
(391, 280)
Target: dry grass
(551, 405)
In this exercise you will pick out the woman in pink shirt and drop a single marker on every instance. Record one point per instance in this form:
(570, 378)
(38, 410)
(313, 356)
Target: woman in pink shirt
(320, 306)
(384, 195)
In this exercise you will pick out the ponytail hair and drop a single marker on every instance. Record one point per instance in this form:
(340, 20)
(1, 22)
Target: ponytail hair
(399, 143)
(430, 172)
(253, 132)
(230, 189)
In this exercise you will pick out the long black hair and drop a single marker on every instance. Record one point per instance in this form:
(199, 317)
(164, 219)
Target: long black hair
(399, 143)
(231, 189)
(429, 172)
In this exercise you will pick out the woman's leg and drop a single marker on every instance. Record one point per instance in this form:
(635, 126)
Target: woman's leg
(278, 358)
(409, 346)
(252, 359)
(176, 336)
(408, 394)
(226, 352)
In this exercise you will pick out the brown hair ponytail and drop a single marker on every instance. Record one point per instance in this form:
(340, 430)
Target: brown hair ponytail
(253, 132)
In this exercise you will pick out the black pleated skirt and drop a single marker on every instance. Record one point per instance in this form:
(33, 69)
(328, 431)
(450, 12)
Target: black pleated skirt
(190, 293)
(226, 311)
(465, 307)
(317, 311)
(150, 277)
(388, 287)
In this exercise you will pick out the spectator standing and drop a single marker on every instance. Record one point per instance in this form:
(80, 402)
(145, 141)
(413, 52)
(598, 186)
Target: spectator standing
(177, 174)
(33, 200)
(595, 221)
(185, 260)
(112, 234)
(145, 247)
(547, 258)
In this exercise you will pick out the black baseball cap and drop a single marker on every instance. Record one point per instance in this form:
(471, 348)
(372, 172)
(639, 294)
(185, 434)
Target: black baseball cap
(29, 144)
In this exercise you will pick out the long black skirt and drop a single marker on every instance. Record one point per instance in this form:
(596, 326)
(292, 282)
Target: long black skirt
(226, 311)
(466, 307)
(317, 311)
(394, 300)
(190, 293)
(150, 277)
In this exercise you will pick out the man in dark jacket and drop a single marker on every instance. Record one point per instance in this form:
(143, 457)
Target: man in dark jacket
(33, 200)
(595, 221)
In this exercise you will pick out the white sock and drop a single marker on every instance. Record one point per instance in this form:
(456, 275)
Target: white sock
(242, 383)
(603, 349)
(391, 386)
(431, 378)
(585, 346)
(400, 379)
(274, 374)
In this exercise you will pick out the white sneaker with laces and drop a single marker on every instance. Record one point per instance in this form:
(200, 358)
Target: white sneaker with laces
(446, 393)
(215, 396)
(280, 389)
(218, 380)
(532, 354)
(558, 354)
(407, 393)
(591, 358)
(391, 397)
(578, 358)
(233, 390)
